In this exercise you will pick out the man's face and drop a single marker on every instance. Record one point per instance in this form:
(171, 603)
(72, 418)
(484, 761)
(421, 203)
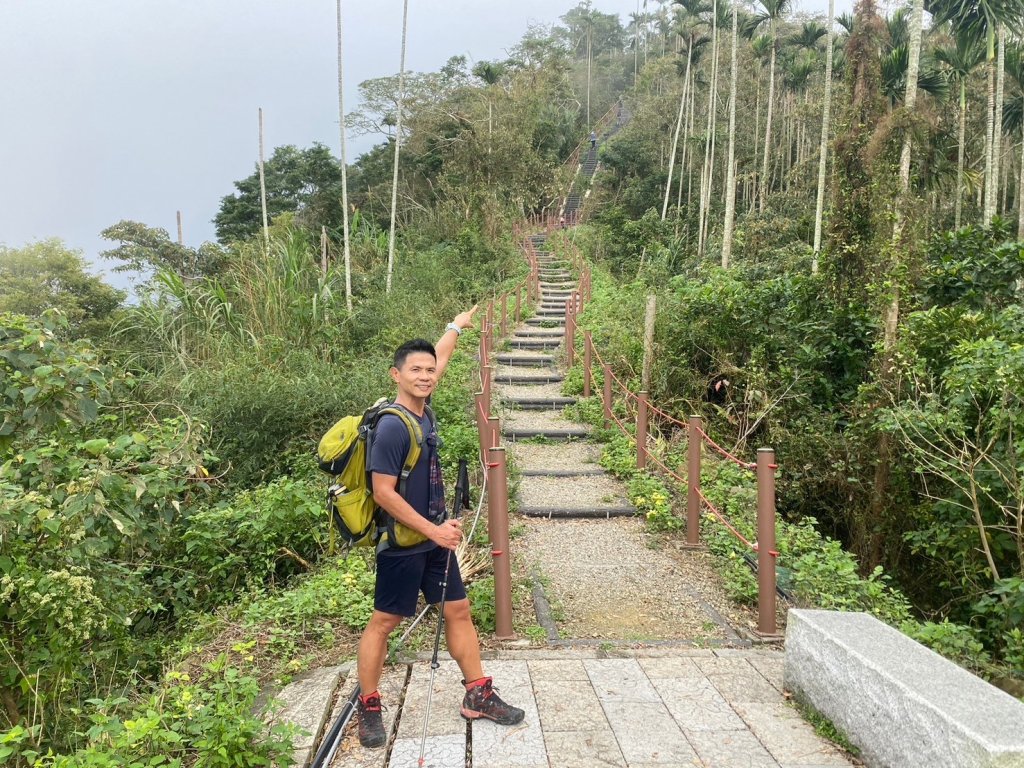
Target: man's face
(418, 375)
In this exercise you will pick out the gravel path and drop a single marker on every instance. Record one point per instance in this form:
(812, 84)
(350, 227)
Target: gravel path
(513, 391)
(605, 582)
(522, 370)
(564, 456)
(586, 492)
(515, 419)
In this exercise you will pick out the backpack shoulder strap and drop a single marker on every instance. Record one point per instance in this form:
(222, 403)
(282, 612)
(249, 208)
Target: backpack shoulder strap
(416, 440)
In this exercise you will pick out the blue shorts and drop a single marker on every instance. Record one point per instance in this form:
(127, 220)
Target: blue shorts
(401, 578)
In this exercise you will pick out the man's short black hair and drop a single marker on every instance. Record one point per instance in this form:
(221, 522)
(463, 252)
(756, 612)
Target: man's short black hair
(416, 345)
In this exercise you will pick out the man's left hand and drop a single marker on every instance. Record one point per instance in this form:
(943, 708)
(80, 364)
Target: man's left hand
(465, 319)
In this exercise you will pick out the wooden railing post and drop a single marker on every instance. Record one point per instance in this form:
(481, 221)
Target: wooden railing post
(497, 527)
(504, 315)
(641, 431)
(607, 399)
(519, 305)
(693, 449)
(766, 624)
(588, 357)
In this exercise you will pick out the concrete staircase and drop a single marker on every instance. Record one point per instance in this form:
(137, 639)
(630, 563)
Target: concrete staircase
(559, 480)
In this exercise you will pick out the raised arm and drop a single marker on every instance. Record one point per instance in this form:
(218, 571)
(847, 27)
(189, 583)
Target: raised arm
(446, 344)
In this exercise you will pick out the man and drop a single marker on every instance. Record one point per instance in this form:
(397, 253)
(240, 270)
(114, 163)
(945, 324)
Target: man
(593, 140)
(403, 573)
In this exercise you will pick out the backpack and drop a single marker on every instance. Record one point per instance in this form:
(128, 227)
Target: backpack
(344, 452)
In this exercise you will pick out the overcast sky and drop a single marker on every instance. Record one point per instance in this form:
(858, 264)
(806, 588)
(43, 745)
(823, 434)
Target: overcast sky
(134, 109)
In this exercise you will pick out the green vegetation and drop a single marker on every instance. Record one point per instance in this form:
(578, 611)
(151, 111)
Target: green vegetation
(163, 535)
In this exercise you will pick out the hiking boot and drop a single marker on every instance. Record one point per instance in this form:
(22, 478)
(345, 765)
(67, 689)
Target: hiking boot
(371, 724)
(482, 701)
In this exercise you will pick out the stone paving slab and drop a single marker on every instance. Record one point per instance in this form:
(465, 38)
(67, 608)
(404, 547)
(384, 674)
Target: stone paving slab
(646, 707)
(520, 746)
(305, 703)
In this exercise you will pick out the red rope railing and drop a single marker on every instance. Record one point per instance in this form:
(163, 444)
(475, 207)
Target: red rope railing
(725, 453)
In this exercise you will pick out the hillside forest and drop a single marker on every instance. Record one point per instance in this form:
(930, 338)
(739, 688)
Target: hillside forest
(830, 212)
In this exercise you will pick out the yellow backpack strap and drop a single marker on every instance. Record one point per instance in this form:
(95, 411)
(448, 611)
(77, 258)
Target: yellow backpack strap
(416, 439)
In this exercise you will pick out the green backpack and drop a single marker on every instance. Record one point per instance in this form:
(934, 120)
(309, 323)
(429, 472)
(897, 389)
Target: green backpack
(344, 452)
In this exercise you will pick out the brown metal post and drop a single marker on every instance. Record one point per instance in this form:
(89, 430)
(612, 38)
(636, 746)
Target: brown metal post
(588, 357)
(487, 371)
(568, 328)
(494, 427)
(641, 431)
(485, 353)
(519, 305)
(570, 335)
(481, 422)
(766, 542)
(504, 315)
(693, 448)
(490, 313)
(497, 527)
(607, 371)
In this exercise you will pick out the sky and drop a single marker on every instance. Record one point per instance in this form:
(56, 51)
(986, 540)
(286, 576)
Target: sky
(135, 109)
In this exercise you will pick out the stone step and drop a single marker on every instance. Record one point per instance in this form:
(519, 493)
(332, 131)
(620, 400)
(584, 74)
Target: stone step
(513, 434)
(561, 472)
(568, 513)
(533, 378)
(541, 403)
(537, 333)
(539, 320)
(542, 344)
(547, 314)
(528, 361)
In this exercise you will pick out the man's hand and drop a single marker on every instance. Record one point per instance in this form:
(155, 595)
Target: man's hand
(465, 319)
(448, 534)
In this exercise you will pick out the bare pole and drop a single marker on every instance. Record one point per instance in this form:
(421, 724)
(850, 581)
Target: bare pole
(344, 172)
(398, 146)
(652, 304)
(181, 238)
(823, 147)
(263, 193)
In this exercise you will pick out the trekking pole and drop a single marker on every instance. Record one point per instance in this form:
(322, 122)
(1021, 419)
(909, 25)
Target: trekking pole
(461, 498)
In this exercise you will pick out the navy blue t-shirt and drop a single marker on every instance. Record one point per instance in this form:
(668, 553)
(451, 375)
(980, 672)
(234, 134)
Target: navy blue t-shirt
(390, 447)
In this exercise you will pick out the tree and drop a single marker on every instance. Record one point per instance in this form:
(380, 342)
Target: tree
(826, 118)
(47, 275)
(774, 11)
(599, 31)
(344, 171)
(306, 182)
(730, 184)
(147, 249)
(962, 58)
(398, 147)
(983, 20)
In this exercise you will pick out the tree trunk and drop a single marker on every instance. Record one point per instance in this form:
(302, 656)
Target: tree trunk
(675, 137)
(997, 119)
(706, 170)
(763, 192)
(892, 312)
(398, 147)
(730, 183)
(826, 117)
(960, 154)
(987, 201)
(1020, 191)
(345, 236)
